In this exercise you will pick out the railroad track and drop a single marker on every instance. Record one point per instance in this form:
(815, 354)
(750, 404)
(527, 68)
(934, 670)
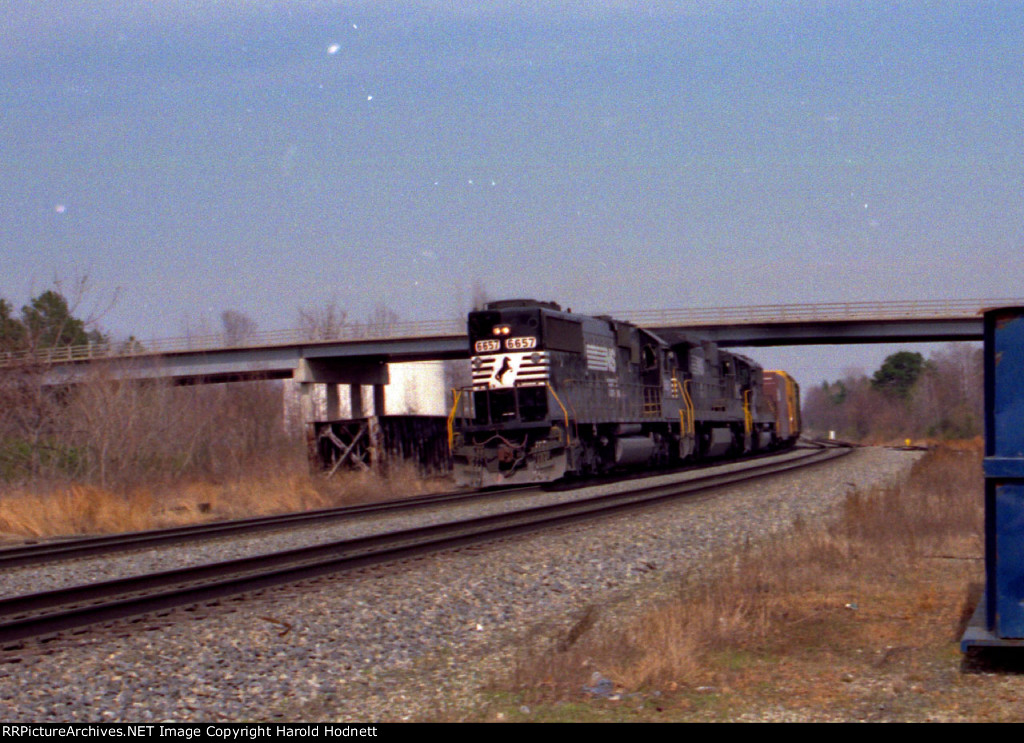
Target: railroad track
(49, 614)
(53, 551)
(75, 548)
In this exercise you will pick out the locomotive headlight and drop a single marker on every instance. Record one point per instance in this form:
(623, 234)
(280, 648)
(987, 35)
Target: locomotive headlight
(536, 358)
(501, 329)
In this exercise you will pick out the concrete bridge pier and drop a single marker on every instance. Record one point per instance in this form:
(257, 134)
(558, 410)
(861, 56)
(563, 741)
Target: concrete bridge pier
(331, 373)
(356, 405)
(355, 396)
(333, 403)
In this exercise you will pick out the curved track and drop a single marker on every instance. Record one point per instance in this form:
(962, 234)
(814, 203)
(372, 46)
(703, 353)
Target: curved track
(51, 613)
(31, 554)
(74, 548)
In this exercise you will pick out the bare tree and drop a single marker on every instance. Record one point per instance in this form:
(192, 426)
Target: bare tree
(238, 327)
(30, 416)
(382, 320)
(32, 413)
(78, 290)
(323, 323)
(945, 401)
(948, 401)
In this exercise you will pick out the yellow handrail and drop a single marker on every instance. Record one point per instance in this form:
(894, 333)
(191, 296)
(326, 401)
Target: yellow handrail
(457, 394)
(690, 412)
(565, 413)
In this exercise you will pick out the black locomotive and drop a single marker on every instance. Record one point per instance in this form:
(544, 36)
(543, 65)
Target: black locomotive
(556, 393)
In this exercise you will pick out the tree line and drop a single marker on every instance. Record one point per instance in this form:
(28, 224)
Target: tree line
(908, 396)
(123, 434)
(60, 432)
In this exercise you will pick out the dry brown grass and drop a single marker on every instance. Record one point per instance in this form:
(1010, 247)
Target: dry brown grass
(77, 509)
(112, 456)
(88, 509)
(819, 624)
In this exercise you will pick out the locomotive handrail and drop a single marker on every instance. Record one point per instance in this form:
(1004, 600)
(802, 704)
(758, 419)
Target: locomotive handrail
(691, 410)
(565, 413)
(683, 317)
(457, 395)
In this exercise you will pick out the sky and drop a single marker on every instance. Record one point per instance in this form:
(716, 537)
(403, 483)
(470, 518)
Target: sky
(191, 157)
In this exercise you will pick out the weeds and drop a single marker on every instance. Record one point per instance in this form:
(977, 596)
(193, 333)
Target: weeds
(869, 588)
(76, 509)
(109, 456)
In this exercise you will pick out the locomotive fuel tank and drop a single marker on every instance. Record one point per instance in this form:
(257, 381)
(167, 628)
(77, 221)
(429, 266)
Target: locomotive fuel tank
(633, 450)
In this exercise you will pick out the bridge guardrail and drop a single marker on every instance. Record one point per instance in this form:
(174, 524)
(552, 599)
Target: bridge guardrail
(822, 312)
(217, 342)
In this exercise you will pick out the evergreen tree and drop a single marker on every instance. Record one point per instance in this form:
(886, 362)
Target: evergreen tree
(46, 322)
(49, 323)
(898, 374)
(12, 332)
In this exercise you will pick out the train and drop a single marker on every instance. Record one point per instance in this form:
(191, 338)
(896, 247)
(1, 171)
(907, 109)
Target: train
(556, 394)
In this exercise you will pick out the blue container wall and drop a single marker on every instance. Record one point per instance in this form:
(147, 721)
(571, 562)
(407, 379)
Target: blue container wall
(1009, 568)
(1004, 470)
(1004, 414)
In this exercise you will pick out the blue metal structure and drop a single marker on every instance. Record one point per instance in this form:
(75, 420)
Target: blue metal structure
(999, 619)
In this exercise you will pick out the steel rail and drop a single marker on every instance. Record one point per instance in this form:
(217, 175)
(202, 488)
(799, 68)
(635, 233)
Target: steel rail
(53, 612)
(73, 548)
(62, 549)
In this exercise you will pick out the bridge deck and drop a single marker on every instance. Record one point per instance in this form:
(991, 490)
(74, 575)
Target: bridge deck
(279, 354)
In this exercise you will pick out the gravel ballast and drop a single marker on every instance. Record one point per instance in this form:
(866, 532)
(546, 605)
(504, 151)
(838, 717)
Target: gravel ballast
(410, 641)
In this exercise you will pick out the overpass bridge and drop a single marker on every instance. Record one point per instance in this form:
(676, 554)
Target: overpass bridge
(358, 354)
(826, 324)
